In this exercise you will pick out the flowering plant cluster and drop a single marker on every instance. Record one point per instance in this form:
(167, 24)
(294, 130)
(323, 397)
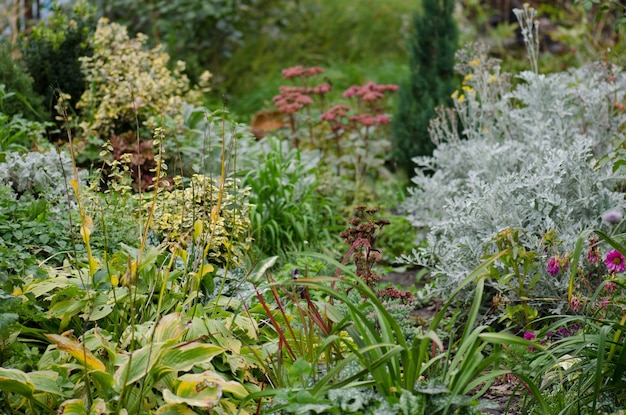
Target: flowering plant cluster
(352, 136)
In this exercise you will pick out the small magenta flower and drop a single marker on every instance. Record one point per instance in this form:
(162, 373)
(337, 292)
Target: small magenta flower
(529, 335)
(615, 261)
(553, 266)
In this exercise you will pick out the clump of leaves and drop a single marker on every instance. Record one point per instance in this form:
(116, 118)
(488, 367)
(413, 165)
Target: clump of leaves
(144, 90)
(217, 210)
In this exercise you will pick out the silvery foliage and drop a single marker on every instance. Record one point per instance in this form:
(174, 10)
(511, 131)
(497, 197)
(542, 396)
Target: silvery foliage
(39, 175)
(526, 159)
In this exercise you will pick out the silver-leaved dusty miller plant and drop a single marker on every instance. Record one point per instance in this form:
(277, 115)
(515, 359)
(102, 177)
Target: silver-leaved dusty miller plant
(39, 175)
(517, 157)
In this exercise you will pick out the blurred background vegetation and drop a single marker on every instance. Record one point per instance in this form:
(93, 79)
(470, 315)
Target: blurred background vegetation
(245, 43)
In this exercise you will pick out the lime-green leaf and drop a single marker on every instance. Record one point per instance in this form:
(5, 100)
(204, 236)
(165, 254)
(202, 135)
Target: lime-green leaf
(46, 381)
(136, 366)
(103, 380)
(256, 276)
(16, 381)
(170, 327)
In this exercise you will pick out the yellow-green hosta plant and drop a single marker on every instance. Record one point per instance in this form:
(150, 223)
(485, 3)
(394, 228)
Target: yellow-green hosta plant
(166, 373)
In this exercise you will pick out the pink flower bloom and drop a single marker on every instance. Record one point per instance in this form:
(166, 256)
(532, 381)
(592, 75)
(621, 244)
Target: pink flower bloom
(366, 120)
(293, 72)
(303, 99)
(604, 302)
(553, 266)
(615, 261)
(610, 287)
(321, 89)
(371, 96)
(382, 119)
(574, 304)
(593, 255)
(529, 335)
(314, 70)
(350, 92)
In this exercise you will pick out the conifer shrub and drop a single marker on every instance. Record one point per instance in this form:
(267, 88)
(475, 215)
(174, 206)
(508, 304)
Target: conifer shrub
(52, 50)
(431, 59)
(23, 99)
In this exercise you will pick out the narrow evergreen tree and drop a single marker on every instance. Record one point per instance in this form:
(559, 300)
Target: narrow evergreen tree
(431, 82)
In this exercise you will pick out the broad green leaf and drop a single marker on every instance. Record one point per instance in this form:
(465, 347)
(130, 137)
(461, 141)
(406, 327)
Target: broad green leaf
(77, 351)
(46, 381)
(175, 409)
(205, 386)
(248, 324)
(73, 407)
(204, 270)
(196, 392)
(170, 327)
(184, 358)
(137, 365)
(16, 381)
(98, 407)
(197, 229)
(103, 380)
(41, 287)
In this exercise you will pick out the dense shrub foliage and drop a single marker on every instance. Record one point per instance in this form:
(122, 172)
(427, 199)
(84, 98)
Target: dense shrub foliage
(53, 50)
(526, 158)
(431, 61)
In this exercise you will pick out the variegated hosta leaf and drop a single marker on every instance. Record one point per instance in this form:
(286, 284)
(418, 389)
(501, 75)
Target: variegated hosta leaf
(77, 351)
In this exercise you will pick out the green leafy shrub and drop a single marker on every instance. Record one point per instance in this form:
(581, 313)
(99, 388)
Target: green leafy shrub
(215, 211)
(144, 88)
(204, 35)
(20, 98)
(52, 53)
(431, 60)
(30, 232)
(19, 134)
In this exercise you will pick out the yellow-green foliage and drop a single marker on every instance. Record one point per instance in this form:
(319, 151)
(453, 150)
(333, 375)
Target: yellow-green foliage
(124, 78)
(184, 215)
